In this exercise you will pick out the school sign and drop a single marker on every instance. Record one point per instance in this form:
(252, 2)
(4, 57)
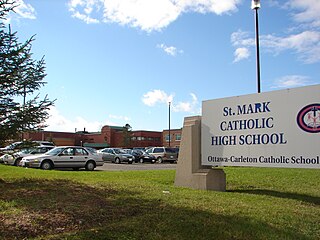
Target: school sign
(272, 129)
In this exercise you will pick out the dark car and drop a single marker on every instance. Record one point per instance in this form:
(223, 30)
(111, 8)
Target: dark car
(146, 157)
(141, 156)
(134, 152)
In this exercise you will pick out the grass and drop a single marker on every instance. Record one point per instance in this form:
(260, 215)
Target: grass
(260, 203)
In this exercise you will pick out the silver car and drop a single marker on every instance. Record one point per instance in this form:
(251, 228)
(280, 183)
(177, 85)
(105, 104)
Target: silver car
(65, 157)
(163, 154)
(116, 155)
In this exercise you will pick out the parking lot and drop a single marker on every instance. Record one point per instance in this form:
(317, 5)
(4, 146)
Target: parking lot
(136, 166)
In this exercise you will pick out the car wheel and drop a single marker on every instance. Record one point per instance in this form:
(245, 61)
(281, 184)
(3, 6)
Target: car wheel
(159, 160)
(90, 166)
(117, 160)
(46, 165)
(17, 162)
(141, 160)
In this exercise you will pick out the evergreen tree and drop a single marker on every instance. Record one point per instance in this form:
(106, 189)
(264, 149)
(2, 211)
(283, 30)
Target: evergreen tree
(20, 78)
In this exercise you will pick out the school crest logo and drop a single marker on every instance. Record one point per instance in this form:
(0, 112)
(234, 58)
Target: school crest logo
(308, 118)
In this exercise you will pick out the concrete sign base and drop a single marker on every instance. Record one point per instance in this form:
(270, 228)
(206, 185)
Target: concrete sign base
(189, 171)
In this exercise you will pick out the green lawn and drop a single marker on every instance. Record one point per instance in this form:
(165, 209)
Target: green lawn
(260, 203)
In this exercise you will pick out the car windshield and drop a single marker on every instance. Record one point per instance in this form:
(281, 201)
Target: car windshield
(119, 151)
(54, 151)
(92, 150)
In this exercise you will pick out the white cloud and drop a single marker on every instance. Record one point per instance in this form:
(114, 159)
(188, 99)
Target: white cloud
(22, 11)
(85, 18)
(125, 118)
(172, 51)
(191, 106)
(58, 122)
(156, 96)
(242, 38)
(241, 53)
(25, 10)
(304, 39)
(160, 97)
(148, 15)
(84, 9)
(305, 44)
(308, 11)
(291, 81)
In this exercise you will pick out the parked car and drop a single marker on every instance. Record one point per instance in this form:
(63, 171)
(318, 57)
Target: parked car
(44, 143)
(4, 157)
(141, 156)
(64, 157)
(116, 155)
(136, 153)
(10, 147)
(25, 144)
(92, 150)
(163, 154)
(15, 158)
(146, 157)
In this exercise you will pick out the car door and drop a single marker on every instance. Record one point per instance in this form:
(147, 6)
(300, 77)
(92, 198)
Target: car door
(111, 155)
(80, 157)
(65, 158)
(158, 152)
(107, 154)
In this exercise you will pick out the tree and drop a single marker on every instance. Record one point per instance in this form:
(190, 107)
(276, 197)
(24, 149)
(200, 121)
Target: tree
(127, 135)
(20, 78)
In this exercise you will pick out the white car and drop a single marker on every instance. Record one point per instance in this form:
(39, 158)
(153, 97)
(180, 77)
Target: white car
(64, 157)
(15, 158)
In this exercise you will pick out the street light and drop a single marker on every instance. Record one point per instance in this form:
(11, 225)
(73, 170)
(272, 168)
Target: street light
(255, 5)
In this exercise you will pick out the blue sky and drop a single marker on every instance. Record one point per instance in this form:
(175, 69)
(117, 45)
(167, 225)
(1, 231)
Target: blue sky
(121, 61)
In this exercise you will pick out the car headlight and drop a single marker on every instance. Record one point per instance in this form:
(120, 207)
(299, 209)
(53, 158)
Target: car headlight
(34, 160)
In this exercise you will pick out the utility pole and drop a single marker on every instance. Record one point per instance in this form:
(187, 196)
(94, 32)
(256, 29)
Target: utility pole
(169, 123)
(255, 5)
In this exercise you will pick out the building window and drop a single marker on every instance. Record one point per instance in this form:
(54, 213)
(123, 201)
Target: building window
(167, 137)
(178, 137)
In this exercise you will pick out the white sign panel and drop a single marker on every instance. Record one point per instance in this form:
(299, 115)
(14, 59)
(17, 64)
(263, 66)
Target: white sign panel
(272, 129)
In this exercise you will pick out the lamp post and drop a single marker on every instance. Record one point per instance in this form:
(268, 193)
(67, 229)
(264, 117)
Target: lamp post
(169, 123)
(255, 5)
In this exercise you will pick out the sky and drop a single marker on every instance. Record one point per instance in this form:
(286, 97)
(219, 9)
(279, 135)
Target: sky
(113, 62)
